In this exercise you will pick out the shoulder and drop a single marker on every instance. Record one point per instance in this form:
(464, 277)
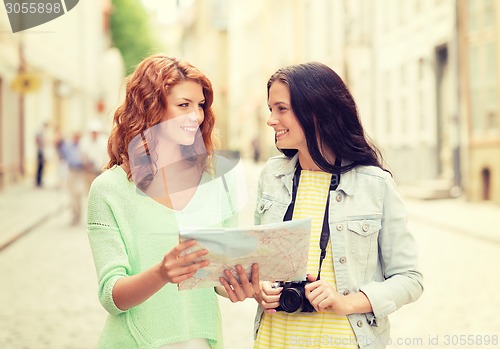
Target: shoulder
(372, 171)
(279, 159)
(276, 163)
(365, 179)
(112, 180)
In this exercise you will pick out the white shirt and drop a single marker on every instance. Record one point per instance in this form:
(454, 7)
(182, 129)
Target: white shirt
(94, 151)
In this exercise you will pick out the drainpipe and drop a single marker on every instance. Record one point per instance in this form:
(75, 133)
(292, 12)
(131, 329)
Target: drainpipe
(21, 70)
(459, 115)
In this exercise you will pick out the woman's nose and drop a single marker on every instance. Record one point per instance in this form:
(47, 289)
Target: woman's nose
(272, 121)
(194, 116)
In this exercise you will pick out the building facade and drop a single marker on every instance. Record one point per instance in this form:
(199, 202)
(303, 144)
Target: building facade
(73, 77)
(265, 36)
(414, 71)
(239, 44)
(480, 96)
(423, 73)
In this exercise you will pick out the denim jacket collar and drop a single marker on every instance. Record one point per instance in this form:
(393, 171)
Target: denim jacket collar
(286, 172)
(347, 180)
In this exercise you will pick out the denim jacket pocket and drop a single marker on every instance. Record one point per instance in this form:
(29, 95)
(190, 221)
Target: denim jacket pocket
(265, 204)
(364, 227)
(270, 210)
(363, 237)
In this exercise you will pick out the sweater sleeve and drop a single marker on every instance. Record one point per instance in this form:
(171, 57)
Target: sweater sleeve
(109, 251)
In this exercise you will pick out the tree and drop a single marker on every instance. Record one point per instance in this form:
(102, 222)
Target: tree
(131, 33)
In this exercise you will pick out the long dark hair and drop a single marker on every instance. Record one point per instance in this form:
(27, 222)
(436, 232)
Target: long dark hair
(324, 107)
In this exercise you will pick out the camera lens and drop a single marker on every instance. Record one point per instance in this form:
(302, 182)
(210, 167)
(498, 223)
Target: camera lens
(291, 300)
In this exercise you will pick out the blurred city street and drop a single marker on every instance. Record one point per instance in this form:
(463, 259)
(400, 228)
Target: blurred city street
(49, 285)
(425, 78)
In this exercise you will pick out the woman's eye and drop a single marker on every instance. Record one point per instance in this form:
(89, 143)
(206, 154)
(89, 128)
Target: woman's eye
(201, 105)
(184, 105)
(281, 108)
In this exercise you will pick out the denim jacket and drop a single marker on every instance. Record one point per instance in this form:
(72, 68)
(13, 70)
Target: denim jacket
(373, 250)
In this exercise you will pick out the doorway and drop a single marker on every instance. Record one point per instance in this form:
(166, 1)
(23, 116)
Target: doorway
(442, 105)
(486, 181)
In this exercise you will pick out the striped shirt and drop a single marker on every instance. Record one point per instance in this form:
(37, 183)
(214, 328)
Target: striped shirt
(317, 329)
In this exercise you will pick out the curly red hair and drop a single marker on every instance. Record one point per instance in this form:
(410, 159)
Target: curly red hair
(146, 101)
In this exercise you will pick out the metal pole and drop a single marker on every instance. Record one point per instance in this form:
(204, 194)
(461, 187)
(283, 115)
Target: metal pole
(21, 70)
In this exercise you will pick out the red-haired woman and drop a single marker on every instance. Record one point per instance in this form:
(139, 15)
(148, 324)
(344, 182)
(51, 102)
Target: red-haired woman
(161, 151)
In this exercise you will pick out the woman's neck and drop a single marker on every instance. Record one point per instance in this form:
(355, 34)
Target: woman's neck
(307, 163)
(168, 153)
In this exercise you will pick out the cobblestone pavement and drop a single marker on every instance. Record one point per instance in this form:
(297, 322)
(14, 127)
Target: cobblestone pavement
(48, 290)
(460, 300)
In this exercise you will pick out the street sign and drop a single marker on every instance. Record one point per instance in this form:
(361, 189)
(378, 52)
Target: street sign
(25, 83)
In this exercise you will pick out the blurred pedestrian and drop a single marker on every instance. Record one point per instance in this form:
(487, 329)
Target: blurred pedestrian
(40, 140)
(94, 146)
(77, 185)
(161, 151)
(256, 149)
(62, 165)
(362, 262)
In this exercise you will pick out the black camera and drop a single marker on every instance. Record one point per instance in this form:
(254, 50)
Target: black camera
(293, 297)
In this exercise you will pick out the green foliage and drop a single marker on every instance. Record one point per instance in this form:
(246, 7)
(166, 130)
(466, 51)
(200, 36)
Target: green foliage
(131, 33)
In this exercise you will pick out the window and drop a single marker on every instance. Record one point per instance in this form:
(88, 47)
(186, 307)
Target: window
(421, 71)
(388, 116)
(404, 116)
(388, 102)
(489, 12)
(483, 87)
(481, 14)
(421, 109)
(403, 75)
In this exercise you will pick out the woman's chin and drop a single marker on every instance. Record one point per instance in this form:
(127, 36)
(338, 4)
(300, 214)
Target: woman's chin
(187, 141)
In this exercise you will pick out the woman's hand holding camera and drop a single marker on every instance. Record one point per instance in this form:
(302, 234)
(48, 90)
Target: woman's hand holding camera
(270, 297)
(323, 297)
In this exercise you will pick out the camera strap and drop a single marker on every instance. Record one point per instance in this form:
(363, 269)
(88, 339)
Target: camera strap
(325, 231)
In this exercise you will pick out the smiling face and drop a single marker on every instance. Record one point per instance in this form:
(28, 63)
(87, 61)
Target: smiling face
(184, 113)
(288, 132)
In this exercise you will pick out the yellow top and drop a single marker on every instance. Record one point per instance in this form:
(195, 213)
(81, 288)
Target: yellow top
(309, 330)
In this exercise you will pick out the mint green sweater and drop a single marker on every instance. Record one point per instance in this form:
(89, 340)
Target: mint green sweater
(129, 232)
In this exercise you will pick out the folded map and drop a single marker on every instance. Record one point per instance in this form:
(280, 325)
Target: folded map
(280, 249)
